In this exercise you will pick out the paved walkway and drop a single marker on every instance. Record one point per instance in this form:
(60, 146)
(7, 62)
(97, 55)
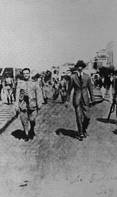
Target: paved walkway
(54, 163)
(6, 115)
(7, 112)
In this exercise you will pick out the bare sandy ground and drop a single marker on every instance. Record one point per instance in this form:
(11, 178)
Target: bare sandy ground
(55, 164)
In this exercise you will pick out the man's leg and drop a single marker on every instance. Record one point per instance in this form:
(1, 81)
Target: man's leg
(45, 95)
(25, 123)
(7, 96)
(10, 95)
(8, 100)
(85, 119)
(78, 112)
(32, 117)
(0, 92)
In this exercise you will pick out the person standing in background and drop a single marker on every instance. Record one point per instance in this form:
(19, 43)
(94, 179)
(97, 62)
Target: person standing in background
(8, 85)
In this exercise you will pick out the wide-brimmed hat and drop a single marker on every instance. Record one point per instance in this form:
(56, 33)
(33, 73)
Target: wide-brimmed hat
(80, 63)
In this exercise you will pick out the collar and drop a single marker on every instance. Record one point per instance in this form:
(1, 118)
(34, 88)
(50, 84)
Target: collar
(78, 73)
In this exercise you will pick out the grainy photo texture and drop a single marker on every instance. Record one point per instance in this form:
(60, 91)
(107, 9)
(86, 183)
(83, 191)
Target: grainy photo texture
(58, 98)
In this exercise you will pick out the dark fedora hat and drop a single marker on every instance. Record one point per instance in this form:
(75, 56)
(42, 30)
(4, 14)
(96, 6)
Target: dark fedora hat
(80, 63)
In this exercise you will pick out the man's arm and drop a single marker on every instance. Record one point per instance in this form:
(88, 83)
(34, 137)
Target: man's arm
(70, 87)
(90, 89)
(17, 95)
(39, 96)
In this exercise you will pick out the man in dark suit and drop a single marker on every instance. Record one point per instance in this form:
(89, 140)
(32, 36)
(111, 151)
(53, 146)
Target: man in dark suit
(83, 94)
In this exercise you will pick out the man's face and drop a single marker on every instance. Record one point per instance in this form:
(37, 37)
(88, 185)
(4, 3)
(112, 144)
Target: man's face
(80, 68)
(26, 74)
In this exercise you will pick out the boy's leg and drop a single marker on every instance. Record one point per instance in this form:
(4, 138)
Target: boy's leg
(25, 122)
(32, 117)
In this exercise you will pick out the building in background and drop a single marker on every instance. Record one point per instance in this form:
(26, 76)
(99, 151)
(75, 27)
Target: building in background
(102, 58)
(111, 50)
(66, 68)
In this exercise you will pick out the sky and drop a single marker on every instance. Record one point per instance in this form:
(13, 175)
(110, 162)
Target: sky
(43, 33)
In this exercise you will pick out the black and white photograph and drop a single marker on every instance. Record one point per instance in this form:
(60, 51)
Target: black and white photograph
(58, 98)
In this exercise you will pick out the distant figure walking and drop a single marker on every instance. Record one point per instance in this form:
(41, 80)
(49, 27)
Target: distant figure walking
(8, 88)
(63, 87)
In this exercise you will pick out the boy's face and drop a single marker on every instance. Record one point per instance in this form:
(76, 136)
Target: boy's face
(26, 74)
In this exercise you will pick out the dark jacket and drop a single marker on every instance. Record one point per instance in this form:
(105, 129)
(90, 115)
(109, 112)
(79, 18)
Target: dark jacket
(114, 88)
(83, 91)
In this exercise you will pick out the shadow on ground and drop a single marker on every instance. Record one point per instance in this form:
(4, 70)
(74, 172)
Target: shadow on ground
(19, 134)
(115, 131)
(105, 120)
(66, 132)
(7, 124)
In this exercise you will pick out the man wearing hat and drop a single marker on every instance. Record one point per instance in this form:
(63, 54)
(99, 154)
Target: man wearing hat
(83, 94)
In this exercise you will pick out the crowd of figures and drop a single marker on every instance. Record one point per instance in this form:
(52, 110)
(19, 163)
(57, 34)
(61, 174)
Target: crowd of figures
(46, 81)
(102, 85)
(53, 85)
(29, 93)
(102, 82)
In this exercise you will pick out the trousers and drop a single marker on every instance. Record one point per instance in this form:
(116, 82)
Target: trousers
(82, 118)
(28, 120)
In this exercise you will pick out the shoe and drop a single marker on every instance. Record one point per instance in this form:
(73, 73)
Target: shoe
(80, 138)
(115, 132)
(26, 139)
(31, 137)
(82, 135)
(85, 134)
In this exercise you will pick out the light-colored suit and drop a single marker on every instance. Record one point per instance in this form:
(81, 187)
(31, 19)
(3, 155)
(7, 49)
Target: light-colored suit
(29, 99)
(34, 93)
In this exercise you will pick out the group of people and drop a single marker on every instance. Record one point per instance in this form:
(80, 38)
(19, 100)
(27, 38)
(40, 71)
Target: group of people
(103, 83)
(54, 85)
(30, 96)
(29, 99)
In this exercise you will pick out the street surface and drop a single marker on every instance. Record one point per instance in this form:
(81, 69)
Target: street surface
(54, 163)
(6, 114)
